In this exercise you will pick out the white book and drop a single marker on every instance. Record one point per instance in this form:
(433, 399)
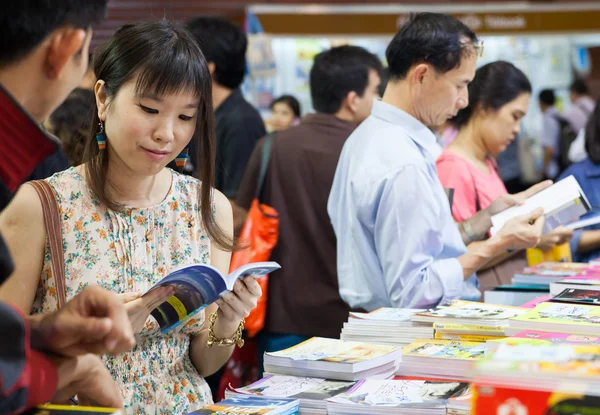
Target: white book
(584, 223)
(562, 202)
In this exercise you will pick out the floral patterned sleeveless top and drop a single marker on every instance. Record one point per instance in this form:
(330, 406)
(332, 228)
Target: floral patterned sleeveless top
(130, 251)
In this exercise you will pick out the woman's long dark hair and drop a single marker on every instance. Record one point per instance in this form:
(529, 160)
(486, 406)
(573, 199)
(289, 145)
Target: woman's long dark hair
(495, 85)
(592, 135)
(166, 59)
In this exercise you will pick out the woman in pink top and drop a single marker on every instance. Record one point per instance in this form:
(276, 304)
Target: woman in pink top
(498, 100)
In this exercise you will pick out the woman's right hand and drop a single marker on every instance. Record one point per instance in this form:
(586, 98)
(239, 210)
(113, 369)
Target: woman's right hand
(139, 308)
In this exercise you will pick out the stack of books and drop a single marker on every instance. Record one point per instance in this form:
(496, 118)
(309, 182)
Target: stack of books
(440, 359)
(546, 273)
(464, 332)
(460, 405)
(403, 397)
(589, 281)
(538, 380)
(391, 326)
(311, 392)
(558, 317)
(248, 405)
(335, 359)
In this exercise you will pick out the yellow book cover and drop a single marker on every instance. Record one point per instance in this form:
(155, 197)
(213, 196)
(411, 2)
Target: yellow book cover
(562, 314)
(466, 337)
(560, 253)
(468, 329)
(71, 410)
(445, 349)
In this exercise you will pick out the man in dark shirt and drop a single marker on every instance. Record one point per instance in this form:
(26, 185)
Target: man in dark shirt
(303, 296)
(239, 125)
(48, 357)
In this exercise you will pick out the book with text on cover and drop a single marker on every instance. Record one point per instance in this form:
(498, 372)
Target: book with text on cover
(470, 312)
(562, 202)
(374, 395)
(558, 317)
(334, 359)
(198, 286)
(575, 296)
(440, 358)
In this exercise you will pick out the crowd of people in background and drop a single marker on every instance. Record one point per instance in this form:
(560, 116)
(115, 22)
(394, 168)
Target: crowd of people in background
(385, 193)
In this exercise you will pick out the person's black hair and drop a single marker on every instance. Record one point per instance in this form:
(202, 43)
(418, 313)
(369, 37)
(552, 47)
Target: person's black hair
(547, 97)
(24, 24)
(579, 87)
(163, 58)
(71, 123)
(437, 39)
(495, 85)
(337, 72)
(385, 76)
(291, 102)
(224, 44)
(592, 135)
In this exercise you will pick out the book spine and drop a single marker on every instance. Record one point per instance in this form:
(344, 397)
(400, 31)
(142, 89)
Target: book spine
(466, 337)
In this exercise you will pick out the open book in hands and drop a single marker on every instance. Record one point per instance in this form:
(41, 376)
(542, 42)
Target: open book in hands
(562, 202)
(198, 286)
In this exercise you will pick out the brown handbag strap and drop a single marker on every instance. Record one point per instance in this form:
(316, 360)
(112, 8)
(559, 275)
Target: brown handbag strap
(54, 233)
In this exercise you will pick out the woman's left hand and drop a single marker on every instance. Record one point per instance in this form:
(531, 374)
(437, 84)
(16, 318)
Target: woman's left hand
(237, 305)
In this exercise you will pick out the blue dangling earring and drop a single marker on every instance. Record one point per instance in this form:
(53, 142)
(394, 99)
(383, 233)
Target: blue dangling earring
(182, 158)
(101, 137)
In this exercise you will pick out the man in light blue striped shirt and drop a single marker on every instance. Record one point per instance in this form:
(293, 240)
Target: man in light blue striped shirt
(397, 244)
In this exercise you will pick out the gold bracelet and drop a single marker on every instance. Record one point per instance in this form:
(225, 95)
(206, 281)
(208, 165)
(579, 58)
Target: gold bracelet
(213, 340)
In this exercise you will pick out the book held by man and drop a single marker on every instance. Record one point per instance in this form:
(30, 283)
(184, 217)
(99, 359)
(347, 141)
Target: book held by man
(198, 286)
(562, 202)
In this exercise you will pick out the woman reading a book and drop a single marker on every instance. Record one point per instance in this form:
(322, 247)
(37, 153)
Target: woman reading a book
(127, 220)
(498, 100)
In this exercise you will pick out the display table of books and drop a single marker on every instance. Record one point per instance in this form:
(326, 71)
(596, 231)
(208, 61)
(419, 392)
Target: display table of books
(460, 358)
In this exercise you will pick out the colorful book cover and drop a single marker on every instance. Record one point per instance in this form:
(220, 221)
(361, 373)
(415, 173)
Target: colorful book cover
(534, 337)
(472, 310)
(251, 405)
(563, 314)
(198, 286)
(445, 349)
(534, 303)
(489, 399)
(71, 410)
(559, 268)
(275, 386)
(333, 350)
(390, 393)
(572, 295)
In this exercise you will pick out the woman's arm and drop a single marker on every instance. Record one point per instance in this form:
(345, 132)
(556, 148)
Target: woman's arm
(589, 241)
(208, 360)
(22, 227)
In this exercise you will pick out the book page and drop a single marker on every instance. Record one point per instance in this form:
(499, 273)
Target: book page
(552, 199)
(256, 269)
